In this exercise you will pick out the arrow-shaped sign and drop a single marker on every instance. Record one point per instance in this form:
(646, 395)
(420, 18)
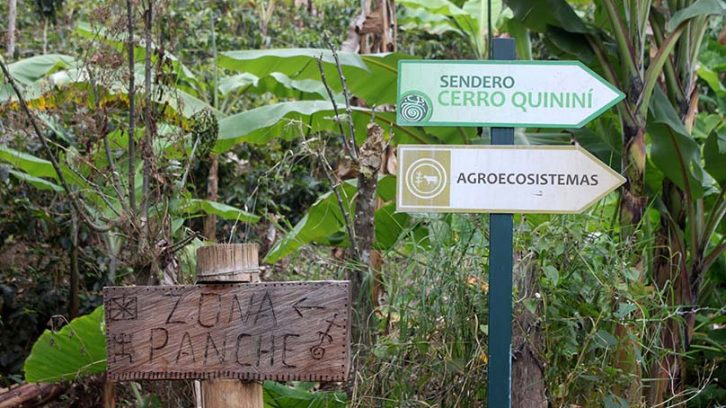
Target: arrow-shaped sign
(501, 179)
(553, 94)
(298, 307)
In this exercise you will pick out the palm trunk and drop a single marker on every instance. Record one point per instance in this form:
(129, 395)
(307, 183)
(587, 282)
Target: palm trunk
(633, 201)
(527, 367)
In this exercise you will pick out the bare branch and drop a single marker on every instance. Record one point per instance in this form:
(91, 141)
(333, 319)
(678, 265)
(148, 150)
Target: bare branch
(146, 149)
(346, 95)
(335, 106)
(132, 145)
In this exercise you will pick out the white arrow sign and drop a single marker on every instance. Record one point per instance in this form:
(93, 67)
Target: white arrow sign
(501, 179)
(552, 94)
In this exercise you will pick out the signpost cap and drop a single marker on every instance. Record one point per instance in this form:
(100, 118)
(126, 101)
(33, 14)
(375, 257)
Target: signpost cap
(226, 263)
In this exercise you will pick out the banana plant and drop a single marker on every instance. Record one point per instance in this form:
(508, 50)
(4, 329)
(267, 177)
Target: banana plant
(470, 21)
(650, 50)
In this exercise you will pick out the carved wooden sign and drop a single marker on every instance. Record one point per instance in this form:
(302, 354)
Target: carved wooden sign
(252, 331)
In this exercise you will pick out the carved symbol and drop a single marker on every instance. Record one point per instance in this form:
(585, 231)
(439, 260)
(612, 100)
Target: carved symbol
(123, 347)
(318, 351)
(123, 308)
(298, 307)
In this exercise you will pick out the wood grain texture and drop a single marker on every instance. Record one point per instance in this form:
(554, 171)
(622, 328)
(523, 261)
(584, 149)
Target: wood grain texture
(251, 331)
(232, 393)
(227, 263)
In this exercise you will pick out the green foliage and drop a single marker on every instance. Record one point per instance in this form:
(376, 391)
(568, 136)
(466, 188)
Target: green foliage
(324, 222)
(300, 395)
(194, 206)
(77, 349)
(441, 16)
(433, 331)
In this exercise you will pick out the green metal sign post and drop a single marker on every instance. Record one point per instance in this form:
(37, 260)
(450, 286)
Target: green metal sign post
(501, 231)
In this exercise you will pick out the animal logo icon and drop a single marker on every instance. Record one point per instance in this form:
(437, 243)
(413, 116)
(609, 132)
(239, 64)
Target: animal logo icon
(423, 178)
(426, 178)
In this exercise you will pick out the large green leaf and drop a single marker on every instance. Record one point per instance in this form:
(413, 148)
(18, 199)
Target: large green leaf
(413, 19)
(322, 220)
(324, 223)
(301, 395)
(36, 182)
(441, 7)
(469, 20)
(78, 349)
(37, 167)
(370, 77)
(192, 207)
(699, 8)
(290, 120)
(276, 83)
(673, 151)
(29, 70)
(714, 152)
(32, 69)
(539, 15)
(34, 166)
(389, 225)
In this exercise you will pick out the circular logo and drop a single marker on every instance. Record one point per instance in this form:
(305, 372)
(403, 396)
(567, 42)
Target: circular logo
(426, 178)
(415, 107)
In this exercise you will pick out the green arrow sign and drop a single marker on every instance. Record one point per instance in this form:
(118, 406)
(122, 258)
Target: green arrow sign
(552, 94)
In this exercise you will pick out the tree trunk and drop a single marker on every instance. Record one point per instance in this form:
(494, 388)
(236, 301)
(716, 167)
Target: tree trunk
(45, 35)
(527, 369)
(12, 18)
(30, 395)
(210, 221)
(73, 298)
(633, 201)
(633, 198)
(371, 154)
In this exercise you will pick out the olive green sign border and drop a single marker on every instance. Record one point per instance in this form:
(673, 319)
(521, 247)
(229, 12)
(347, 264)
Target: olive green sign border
(444, 209)
(400, 121)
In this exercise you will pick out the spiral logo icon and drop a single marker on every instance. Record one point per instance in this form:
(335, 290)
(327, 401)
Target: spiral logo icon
(415, 107)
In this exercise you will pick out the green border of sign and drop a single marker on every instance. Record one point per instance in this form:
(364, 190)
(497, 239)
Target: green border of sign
(582, 123)
(448, 209)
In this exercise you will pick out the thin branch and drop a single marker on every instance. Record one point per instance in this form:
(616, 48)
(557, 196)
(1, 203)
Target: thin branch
(183, 180)
(335, 185)
(346, 95)
(184, 242)
(146, 149)
(132, 145)
(335, 106)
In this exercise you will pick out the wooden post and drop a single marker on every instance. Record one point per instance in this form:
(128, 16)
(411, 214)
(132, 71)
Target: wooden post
(235, 263)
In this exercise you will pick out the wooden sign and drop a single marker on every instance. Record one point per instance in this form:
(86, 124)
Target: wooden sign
(253, 331)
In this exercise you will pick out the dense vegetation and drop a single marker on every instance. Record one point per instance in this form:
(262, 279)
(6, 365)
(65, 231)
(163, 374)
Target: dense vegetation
(243, 130)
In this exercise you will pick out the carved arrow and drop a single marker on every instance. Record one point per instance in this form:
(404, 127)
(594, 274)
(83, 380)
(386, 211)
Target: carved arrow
(298, 307)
